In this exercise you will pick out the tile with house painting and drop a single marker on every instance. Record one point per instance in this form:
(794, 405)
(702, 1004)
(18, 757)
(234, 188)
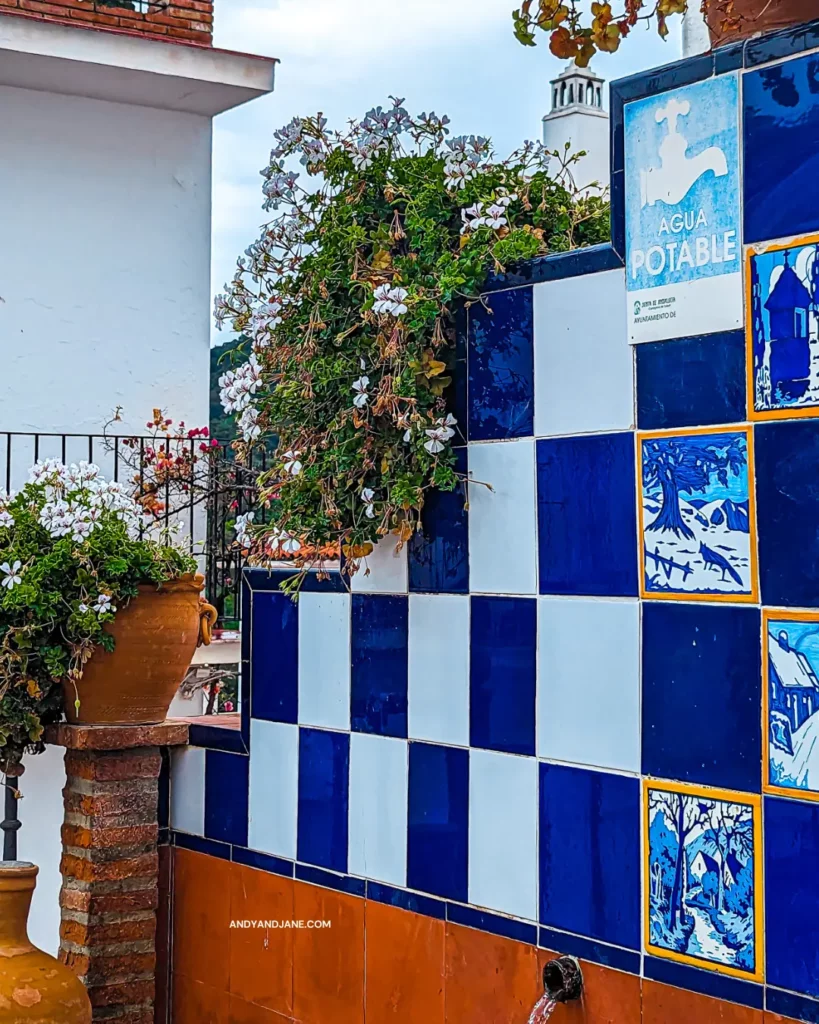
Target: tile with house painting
(703, 871)
(697, 522)
(783, 329)
(791, 702)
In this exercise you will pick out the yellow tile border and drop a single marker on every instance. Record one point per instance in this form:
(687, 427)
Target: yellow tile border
(754, 801)
(751, 597)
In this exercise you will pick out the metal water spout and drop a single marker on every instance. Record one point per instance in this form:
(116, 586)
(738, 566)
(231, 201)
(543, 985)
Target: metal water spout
(563, 980)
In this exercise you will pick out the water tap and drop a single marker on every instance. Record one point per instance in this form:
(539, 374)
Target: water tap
(562, 979)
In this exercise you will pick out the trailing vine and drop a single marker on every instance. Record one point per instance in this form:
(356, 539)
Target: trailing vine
(346, 306)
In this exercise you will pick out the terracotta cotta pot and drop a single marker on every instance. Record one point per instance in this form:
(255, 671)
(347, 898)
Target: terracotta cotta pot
(34, 987)
(750, 17)
(156, 635)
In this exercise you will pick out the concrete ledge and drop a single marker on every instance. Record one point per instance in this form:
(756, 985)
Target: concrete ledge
(117, 737)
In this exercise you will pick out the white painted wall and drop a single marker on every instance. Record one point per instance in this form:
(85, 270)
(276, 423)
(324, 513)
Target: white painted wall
(586, 131)
(104, 262)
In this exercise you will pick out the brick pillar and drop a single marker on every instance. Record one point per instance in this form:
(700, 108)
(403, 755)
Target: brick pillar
(109, 865)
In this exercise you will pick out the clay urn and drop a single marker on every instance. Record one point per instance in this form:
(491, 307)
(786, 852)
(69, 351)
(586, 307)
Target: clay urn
(34, 987)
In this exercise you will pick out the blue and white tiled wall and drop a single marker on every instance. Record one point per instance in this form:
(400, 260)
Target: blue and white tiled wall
(543, 717)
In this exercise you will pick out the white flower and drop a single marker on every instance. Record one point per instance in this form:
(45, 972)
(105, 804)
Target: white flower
(6, 518)
(290, 546)
(389, 300)
(242, 528)
(291, 463)
(12, 574)
(495, 216)
(448, 424)
(367, 496)
(408, 435)
(504, 201)
(437, 439)
(104, 604)
(360, 387)
(362, 363)
(397, 296)
(238, 386)
(248, 423)
(82, 607)
(472, 217)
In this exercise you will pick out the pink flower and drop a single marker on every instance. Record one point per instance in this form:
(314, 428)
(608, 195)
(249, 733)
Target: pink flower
(228, 705)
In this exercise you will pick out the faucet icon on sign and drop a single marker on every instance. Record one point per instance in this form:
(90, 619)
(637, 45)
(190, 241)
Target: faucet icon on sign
(673, 179)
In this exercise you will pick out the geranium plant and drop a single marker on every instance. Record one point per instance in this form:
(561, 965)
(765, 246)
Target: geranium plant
(347, 304)
(72, 552)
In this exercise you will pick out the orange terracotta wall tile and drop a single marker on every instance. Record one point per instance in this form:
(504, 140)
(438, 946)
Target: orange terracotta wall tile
(328, 964)
(261, 959)
(404, 966)
(489, 980)
(774, 1018)
(663, 1004)
(609, 997)
(242, 1012)
(196, 1003)
(201, 918)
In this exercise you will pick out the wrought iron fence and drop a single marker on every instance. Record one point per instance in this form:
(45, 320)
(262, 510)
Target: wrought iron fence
(202, 497)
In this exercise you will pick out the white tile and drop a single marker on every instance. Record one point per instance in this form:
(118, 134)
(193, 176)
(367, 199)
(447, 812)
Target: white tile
(584, 376)
(274, 788)
(188, 790)
(378, 808)
(324, 660)
(388, 573)
(588, 690)
(439, 668)
(503, 521)
(503, 814)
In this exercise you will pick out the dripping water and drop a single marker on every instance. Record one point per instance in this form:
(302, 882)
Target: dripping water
(543, 1009)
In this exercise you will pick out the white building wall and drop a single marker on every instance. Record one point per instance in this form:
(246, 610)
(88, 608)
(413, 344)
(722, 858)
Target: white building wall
(104, 262)
(584, 130)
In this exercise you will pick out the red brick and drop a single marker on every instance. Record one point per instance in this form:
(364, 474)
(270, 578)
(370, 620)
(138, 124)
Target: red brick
(113, 765)
(90, 871)
(111, 933)
(42, 8)
(117, 737)
(124, 837)
(103, 969)
(125, 993)
(196, 37)
(109, 903)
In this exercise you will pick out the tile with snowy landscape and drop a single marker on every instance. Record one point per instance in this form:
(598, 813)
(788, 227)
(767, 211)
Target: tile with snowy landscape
(703, 877)
(697, 522)
(783, 329)
(791, 699)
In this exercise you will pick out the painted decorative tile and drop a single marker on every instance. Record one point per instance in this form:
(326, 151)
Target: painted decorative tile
(438, 821)
(786, 456)
(438, 696)
(501, 366)
(584, 377)
(683, 193)
(324, 767)
(324, 660)
(503, 833)
(590, 854)
(275, 657)
(790, 688)
(781, 121)
(508, 510)
(703, 872)
(226, 796)
(688, 381)
(792, 895)
(783, 329)
(438, 554)
(378, 808)
(701, 694)
(587, 530)
(378, 700)
(697, 521)
(274, 805)
(588, 707)
(502, 674)
(188, 790)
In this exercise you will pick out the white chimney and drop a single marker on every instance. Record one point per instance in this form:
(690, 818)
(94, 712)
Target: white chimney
(577, 117)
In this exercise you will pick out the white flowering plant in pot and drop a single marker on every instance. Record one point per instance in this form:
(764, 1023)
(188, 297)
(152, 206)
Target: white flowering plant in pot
(72, 552)
(346, 306)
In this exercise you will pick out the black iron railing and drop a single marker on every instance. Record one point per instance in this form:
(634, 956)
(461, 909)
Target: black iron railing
(10, 824)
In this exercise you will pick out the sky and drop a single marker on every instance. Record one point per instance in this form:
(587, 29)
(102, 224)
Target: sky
(342, 57)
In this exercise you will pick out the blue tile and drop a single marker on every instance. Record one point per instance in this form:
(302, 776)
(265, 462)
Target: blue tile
(506, 927)
(198, 844)
(411, 901)
(274, 657)
(587, 949)
(707, 983)
(502, 673)
(702, 694)
(437, 831)
(792, 1006)
(378, 699)
(786, 43)
(341, 883)
(617, 191)
(729, 58)
(246, 620)
(781, 149)
(501, 366)
(689, 381)
(324, 771)
(457, 394)
(787, 456)
(591, 259)
(263, 861)
(792, 894)
(217, 737)
(587, 519)
(590, 854)
(315, 582)
(226, 791)
(438, 556)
